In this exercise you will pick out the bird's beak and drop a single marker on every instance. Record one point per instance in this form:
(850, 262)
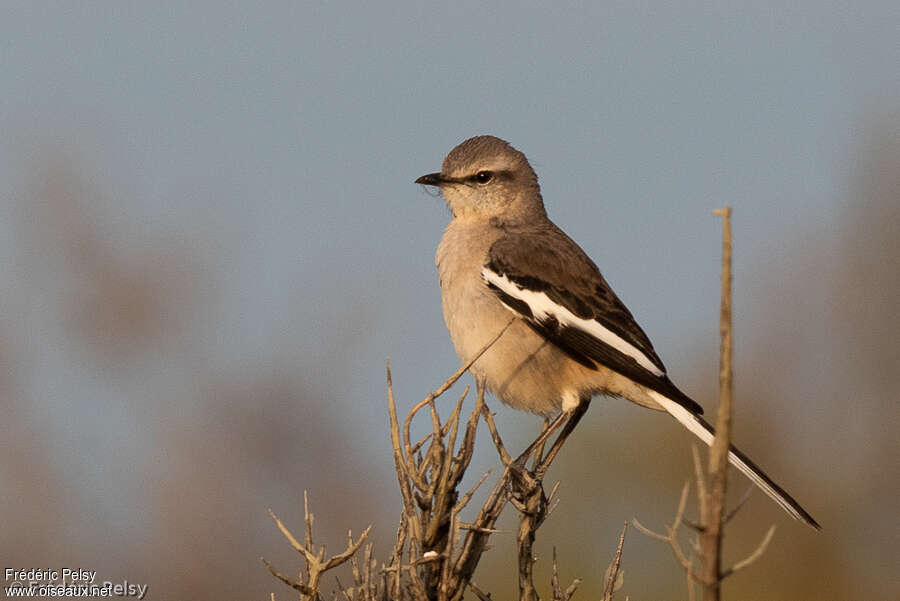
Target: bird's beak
(432, 179)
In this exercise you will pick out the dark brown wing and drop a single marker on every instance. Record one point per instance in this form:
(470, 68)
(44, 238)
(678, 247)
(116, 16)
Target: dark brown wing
(525, 264)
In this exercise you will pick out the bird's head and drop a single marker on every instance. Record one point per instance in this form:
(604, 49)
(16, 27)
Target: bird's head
(485, 178)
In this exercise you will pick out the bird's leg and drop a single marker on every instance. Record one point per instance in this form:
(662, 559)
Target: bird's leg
(558, 421)
(527, 491)
(575, 416)
(568, 420)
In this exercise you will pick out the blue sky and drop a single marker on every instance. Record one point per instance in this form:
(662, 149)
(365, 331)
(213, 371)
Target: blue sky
(265, 155)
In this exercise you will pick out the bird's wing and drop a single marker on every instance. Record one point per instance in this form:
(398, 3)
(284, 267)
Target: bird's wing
(545, 277)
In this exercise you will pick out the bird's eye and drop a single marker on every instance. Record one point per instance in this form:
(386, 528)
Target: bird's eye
(483, 177)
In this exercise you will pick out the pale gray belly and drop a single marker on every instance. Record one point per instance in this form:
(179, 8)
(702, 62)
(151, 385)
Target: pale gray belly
(521, 368)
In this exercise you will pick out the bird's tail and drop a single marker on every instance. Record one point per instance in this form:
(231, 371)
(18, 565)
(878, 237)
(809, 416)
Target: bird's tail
(705, 432)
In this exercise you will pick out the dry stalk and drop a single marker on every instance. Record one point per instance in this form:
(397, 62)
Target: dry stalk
(713, 516)
(429, 473)
(711, 487)
(613, 578)
(314, 557)
(436, 553)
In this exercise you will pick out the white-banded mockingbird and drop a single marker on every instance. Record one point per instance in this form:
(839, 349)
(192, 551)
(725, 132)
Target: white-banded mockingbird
(571, 337)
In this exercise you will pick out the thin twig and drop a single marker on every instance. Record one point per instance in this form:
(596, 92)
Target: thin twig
(740, 505)
(753, 556)
(671, 536)
(456, 376)
(291, 583)
(316, 565)
(482, 596)
(610, 587)
(554, 578)
(505, 457)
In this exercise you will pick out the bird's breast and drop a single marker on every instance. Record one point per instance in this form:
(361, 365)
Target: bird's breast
(468, 305)
(521, 368)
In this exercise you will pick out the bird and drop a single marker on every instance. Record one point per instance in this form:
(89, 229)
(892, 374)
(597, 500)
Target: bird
(502, 263)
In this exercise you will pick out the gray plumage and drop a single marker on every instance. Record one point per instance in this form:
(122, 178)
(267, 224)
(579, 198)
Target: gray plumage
(502, 223)
(572, 338)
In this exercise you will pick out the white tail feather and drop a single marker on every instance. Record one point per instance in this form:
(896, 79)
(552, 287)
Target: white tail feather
(703, 431)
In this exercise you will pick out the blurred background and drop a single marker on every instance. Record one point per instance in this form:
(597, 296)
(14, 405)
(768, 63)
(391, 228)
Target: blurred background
(210, 242)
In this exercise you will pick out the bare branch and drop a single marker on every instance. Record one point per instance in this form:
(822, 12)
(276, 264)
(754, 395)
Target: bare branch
(610, 587)
(464, 500)
(647, 532)
(712, 518)
(308, 520)
(554, 578)
(316, 565)
(495, 435)
(573, 587)
(753, 556)
(558, 593)
(287, 534)
(482, 596)
(671, 536)
(305, 590)
(352, 548)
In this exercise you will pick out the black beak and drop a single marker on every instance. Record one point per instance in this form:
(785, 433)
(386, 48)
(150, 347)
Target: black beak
(431, 179)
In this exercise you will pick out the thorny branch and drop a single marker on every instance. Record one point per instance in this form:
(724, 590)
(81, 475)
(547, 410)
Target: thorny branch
(613, 577)
(316, 564)
(436, 553)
